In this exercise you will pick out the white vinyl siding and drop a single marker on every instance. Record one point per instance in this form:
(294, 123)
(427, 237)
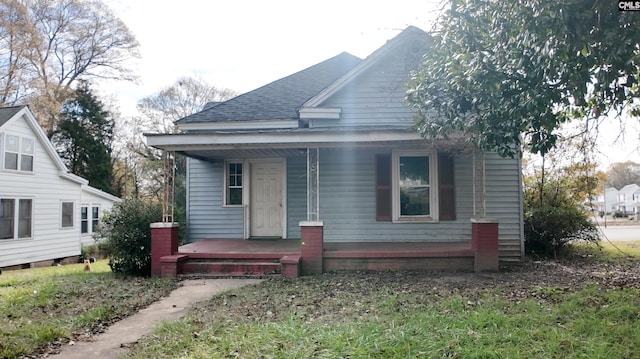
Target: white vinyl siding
(46, 187)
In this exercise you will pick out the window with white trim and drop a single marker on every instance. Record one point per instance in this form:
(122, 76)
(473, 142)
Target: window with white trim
(16, 218)
(66, 215)
(19, 153)
(233, 183)
(89, 220)
(415, 186)
(413, 191)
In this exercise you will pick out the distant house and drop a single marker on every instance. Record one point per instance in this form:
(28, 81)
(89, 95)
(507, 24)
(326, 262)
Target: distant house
(334, 147)
(606, 201)
(46, 213)
(628, 199)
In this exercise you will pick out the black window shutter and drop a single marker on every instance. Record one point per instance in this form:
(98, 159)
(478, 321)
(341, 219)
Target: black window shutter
(383, 187)
(446, 187)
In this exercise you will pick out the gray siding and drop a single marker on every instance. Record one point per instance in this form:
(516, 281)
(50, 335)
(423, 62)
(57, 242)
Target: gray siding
(347, 202)
(208, 218)
(504, 201)
(296, 195)
(376, 96)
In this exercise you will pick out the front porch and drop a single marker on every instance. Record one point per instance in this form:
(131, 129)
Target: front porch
(311, 255)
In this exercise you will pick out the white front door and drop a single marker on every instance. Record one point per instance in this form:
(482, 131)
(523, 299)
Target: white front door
(266, 198)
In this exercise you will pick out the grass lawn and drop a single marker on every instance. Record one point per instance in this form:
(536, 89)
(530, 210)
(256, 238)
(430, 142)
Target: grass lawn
(45, 307)
(585, 307)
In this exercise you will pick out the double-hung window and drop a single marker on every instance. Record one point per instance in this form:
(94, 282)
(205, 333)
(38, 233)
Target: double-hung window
(66, 215)
(234, 176)
(16, 218)
(89, 218)
(413, 178)
(18, 153)
(414, 186)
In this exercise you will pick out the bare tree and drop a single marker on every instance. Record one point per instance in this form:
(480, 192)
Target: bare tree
(621, 174)
(158, 112)
(48, 45)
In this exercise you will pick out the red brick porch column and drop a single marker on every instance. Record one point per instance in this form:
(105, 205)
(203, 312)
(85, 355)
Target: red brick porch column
(164, 242)
(311, 233)
(484, 239)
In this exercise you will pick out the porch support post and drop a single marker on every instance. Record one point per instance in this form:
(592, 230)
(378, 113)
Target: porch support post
(164, 242)
(313, 184)
(312, 246)
(484, 239)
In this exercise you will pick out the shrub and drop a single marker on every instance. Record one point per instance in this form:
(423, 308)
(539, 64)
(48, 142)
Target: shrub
(553, 212)
(549, 228)
(127, 236)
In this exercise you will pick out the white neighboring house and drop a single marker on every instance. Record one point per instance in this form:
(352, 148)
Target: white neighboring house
(46, 212)
(628, 198)
(606, 201)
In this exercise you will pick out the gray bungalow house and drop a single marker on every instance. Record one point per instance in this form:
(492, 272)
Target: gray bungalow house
(330, 153)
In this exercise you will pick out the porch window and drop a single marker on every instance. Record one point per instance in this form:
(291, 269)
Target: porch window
(67, 215)
(234, 177)
(413, 190)
(415, 186)
(19, 153)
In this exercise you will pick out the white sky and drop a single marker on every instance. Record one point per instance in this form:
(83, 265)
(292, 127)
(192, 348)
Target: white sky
(244, 44)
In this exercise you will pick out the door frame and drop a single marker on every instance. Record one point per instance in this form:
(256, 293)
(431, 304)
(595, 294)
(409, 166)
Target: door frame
(283, 181)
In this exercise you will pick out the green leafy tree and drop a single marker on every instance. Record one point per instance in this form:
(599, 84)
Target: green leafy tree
(84, 136)
(501, 72)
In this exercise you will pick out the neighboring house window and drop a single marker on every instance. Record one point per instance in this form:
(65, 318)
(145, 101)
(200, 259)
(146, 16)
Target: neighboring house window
(405, 187)
(19, 153)
(233, 185)
(84, 219)
(7, 215)
(89, 225)
(15, 219)
(67, 215)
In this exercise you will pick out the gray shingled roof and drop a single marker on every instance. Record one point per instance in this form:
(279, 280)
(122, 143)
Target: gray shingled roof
(279, 99)
(6, 113)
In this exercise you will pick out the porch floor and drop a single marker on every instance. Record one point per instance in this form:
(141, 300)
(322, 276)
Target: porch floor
(241, 248)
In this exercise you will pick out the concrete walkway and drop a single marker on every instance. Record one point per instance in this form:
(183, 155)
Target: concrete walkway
(115, 341)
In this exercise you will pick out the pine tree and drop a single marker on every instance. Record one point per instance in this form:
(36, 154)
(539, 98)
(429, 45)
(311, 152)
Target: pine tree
(84, 137)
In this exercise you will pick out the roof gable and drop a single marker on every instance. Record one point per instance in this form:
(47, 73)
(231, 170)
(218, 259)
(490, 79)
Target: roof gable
(411, 39)
(278, 100)
(9, 115)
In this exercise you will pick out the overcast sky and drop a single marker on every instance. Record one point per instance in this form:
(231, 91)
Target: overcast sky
(244, 44)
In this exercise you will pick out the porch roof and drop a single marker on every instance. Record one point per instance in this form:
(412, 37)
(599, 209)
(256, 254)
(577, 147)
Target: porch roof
(283, 142)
